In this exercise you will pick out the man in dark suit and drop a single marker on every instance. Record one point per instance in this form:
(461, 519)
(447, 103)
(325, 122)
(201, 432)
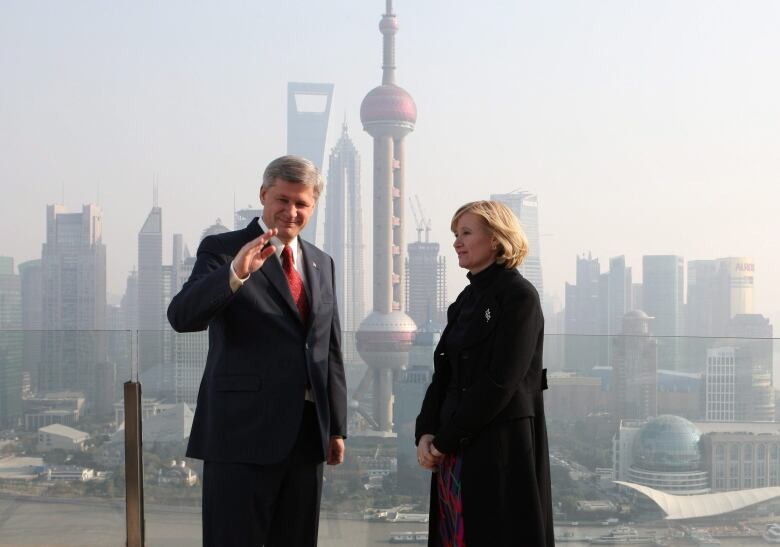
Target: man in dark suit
(272, 402)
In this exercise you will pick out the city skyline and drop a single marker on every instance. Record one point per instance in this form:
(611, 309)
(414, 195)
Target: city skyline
(636, 143)
(669, 136)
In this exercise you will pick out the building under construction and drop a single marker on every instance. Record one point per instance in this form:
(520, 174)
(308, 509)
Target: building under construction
(426, 285)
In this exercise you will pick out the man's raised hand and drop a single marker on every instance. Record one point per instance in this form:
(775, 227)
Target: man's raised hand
(253, 255)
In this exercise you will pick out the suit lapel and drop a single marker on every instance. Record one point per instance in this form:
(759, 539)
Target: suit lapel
(272, 270)
(312, 269)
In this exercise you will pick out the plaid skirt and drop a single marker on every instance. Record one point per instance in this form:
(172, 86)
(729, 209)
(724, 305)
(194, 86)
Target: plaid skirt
(450, 502)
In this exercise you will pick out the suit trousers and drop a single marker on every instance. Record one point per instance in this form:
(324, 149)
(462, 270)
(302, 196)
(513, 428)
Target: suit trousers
(277, 505)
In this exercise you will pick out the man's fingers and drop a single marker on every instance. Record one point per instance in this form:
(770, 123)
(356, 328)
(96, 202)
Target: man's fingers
(261, 240)
(268, 251)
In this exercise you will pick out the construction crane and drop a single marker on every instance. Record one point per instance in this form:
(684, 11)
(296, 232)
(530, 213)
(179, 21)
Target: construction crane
(417, 221)
(426, 222)
(420, 220)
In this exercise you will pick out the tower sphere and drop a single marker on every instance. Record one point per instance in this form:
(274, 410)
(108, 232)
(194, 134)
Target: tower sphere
(385, 338)
(390, 104)
(388, 24)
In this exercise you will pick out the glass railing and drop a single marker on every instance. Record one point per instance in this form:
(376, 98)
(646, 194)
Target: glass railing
(680, 415)
(61, 456)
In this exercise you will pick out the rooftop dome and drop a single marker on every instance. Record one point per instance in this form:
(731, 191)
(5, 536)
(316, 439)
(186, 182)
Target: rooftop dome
(388, 103)
(667, 443)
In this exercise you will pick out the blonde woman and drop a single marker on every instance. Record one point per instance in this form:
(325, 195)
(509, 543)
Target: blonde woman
(481, 428)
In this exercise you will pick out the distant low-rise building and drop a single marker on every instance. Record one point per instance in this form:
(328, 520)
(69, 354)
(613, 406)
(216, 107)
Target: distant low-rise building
(677, 456)
(572, 395)
(70, 473)
(62, 437)
(171, 425)
(177, 472)
(21, 468)
(56, 407)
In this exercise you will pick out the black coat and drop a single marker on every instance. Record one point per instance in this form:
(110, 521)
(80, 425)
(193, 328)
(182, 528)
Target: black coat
(261, 355)
(486, 403)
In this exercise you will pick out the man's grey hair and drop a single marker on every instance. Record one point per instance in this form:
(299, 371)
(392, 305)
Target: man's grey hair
(293, 169)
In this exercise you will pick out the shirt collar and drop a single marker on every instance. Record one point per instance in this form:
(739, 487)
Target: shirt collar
(277, 243)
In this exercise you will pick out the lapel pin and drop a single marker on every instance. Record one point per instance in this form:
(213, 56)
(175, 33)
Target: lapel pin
(487, 315)
(314, 264)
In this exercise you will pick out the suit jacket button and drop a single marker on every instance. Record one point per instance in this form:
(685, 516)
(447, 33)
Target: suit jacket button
(306, 345)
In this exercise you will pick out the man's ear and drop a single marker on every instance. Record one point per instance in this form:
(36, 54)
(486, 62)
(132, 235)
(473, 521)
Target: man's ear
(262, 195)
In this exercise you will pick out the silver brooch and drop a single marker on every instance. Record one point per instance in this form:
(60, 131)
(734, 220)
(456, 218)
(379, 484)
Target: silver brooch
(487, 314)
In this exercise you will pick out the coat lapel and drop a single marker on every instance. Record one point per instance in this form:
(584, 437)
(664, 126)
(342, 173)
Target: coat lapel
(485, 318)
(485, 313)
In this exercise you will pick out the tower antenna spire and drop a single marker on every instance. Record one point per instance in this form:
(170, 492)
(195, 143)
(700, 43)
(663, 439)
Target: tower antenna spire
(388, 26)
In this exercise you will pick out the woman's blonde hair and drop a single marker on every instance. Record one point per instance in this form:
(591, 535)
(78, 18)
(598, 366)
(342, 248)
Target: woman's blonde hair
(503, 226)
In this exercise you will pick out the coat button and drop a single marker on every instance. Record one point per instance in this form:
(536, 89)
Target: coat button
(306, 346)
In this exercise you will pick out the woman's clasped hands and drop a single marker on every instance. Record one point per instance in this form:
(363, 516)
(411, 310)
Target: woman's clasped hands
(427, 454)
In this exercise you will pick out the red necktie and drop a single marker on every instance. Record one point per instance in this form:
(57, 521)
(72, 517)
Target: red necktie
(296, 284)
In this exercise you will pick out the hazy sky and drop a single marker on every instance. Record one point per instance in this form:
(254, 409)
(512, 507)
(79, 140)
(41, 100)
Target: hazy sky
(645, 127)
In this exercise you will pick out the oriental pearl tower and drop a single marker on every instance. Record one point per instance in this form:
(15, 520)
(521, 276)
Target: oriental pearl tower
(388, 114)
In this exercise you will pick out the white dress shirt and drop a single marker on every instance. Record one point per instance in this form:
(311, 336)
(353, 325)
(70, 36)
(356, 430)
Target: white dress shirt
(297, 253)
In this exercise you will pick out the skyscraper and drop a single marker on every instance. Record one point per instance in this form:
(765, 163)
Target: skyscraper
(73, 273)
(585, 318)
(308, 113)
(718, 290)
(619, 293)
(720, 384)
(754, 335)
(189, 355)
(388, 114)
(634, 368)
(150, 304)
(525, 206)
(662, 288)
(344, 233)
(129, 303)
(11, 344)
(663, 292)
(582, 298)
(32, 321)
(426, 282)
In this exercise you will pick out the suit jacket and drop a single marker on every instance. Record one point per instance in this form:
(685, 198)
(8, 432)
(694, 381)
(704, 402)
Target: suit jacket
(261, 355)
(500, 375)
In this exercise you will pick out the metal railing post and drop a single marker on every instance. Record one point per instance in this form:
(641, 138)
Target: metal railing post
(134, 465)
